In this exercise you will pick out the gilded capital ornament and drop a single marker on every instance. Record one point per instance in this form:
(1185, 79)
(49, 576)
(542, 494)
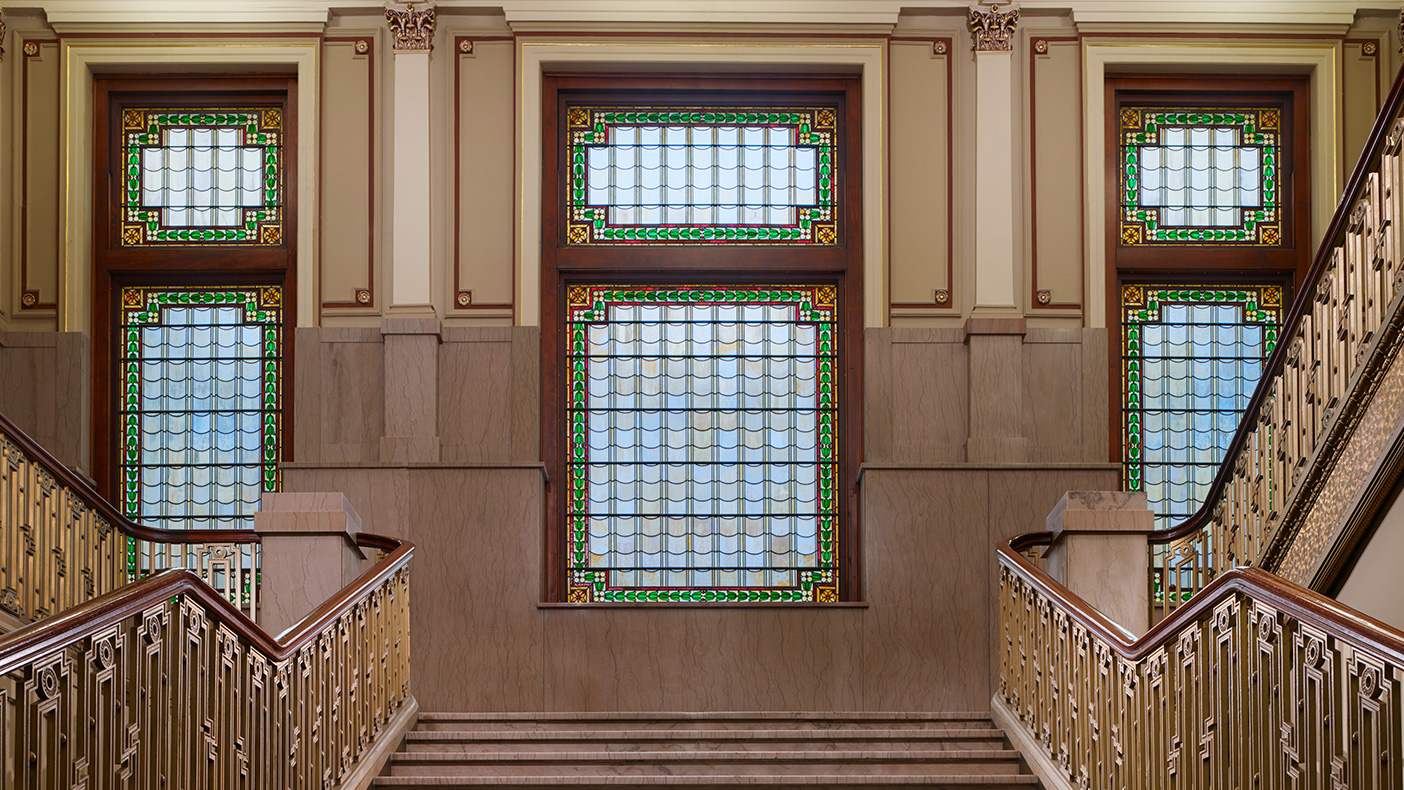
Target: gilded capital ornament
(413, 31)
(2, 32)
(993, 29)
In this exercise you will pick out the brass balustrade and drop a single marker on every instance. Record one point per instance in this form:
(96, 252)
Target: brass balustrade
(1255, 683)
(61, 544)
(164, 683)
(1343, 328)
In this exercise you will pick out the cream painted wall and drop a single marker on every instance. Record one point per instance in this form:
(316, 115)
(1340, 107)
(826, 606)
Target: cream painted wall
(1375, 586)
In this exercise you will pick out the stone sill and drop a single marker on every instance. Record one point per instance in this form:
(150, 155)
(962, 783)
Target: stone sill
(669, 605)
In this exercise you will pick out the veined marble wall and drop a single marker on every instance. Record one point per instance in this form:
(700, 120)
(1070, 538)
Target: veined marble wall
(922, 639)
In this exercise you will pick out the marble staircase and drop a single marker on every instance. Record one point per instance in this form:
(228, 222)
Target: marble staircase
(707, 750)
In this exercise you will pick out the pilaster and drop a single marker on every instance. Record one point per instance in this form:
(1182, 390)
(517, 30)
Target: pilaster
(996, 210)
(411, 390)
(411, 270)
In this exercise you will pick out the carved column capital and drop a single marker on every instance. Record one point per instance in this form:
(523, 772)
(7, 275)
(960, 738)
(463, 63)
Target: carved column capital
(2, 32)
(994, 29)
(413, 31)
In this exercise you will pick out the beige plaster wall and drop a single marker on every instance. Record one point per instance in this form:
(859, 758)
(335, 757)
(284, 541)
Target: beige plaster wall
(352, 267)
(1374, 585)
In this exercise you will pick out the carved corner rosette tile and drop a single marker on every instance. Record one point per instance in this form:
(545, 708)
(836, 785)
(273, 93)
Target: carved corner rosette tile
(412, 30)
(993, 30)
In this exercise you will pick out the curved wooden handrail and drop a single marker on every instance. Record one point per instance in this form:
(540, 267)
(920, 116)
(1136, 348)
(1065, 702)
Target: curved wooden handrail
(1335, 231)
(100, 504)
(1285, 596)
(25, 645)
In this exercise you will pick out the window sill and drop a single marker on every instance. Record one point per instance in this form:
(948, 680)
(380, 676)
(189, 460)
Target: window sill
(667, 605)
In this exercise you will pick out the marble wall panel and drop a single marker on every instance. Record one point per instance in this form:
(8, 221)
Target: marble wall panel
(925, 544)
(658, 659)
(488, 394)
(476, 583)
(928, 387)
(46, 390)
(339, 394)
(379, 495)
(1052, 396)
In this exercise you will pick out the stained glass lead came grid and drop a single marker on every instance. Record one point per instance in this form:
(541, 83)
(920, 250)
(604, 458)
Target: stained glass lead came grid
(200, 408)
(202, 176)
(1200, 176)
(1191, 357)
(701, 450)
(683, 175)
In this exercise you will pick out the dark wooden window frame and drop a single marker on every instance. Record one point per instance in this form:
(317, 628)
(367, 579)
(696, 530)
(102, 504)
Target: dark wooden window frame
(115, 266)
(1285, 264)
(563, 264)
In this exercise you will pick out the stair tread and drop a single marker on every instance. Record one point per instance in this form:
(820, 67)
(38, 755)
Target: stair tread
(566, 716)
(947, 755)
(950, 733)
(928, 780)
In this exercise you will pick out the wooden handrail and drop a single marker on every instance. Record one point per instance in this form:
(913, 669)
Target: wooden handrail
(100, 504)
(1276, 362)
(1306, 605)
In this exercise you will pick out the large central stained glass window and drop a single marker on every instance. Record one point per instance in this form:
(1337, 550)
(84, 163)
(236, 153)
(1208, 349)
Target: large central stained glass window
(1191, 358)
(200, 404)
(679, 175)
(702, 426)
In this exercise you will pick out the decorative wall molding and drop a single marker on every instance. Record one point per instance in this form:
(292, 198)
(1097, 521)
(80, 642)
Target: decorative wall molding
(993, 30)
(413, 31)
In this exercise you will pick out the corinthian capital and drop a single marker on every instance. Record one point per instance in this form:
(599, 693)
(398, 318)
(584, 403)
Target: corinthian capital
(412, 30)
(994, 29)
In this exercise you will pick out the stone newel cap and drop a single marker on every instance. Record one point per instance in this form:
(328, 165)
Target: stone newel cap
(1101, 511)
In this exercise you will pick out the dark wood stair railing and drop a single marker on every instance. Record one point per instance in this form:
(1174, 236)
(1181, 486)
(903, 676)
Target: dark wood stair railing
(1336, 348)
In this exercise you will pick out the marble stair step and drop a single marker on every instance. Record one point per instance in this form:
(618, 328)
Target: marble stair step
(704, 740)
(719, 763)
(811, 780)
(700, 721)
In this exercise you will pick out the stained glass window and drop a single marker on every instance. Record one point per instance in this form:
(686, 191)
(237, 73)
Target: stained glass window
(1191, 358)
(199, 406)
(206, 176)
(1200, 176)
(680, 175)
(702, 432)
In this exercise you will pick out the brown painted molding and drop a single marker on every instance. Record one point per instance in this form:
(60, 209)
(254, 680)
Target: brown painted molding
(463, 297)
(943, 298)
(365, 46)
(1039, 47)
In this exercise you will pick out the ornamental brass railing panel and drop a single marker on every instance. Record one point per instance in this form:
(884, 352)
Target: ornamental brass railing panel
(165, 684)
(1342, 334)
(61, 544)
(1258, 683)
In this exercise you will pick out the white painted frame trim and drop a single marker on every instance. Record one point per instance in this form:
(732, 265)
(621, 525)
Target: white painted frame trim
(82, 58)
(535, 57)
(1321, 61)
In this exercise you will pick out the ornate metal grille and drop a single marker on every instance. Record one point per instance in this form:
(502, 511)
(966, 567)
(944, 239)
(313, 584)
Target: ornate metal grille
(690, 175)
(200, 405)
(202, 176)
(1191, 357)
(1197, 176)
(702, 443)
